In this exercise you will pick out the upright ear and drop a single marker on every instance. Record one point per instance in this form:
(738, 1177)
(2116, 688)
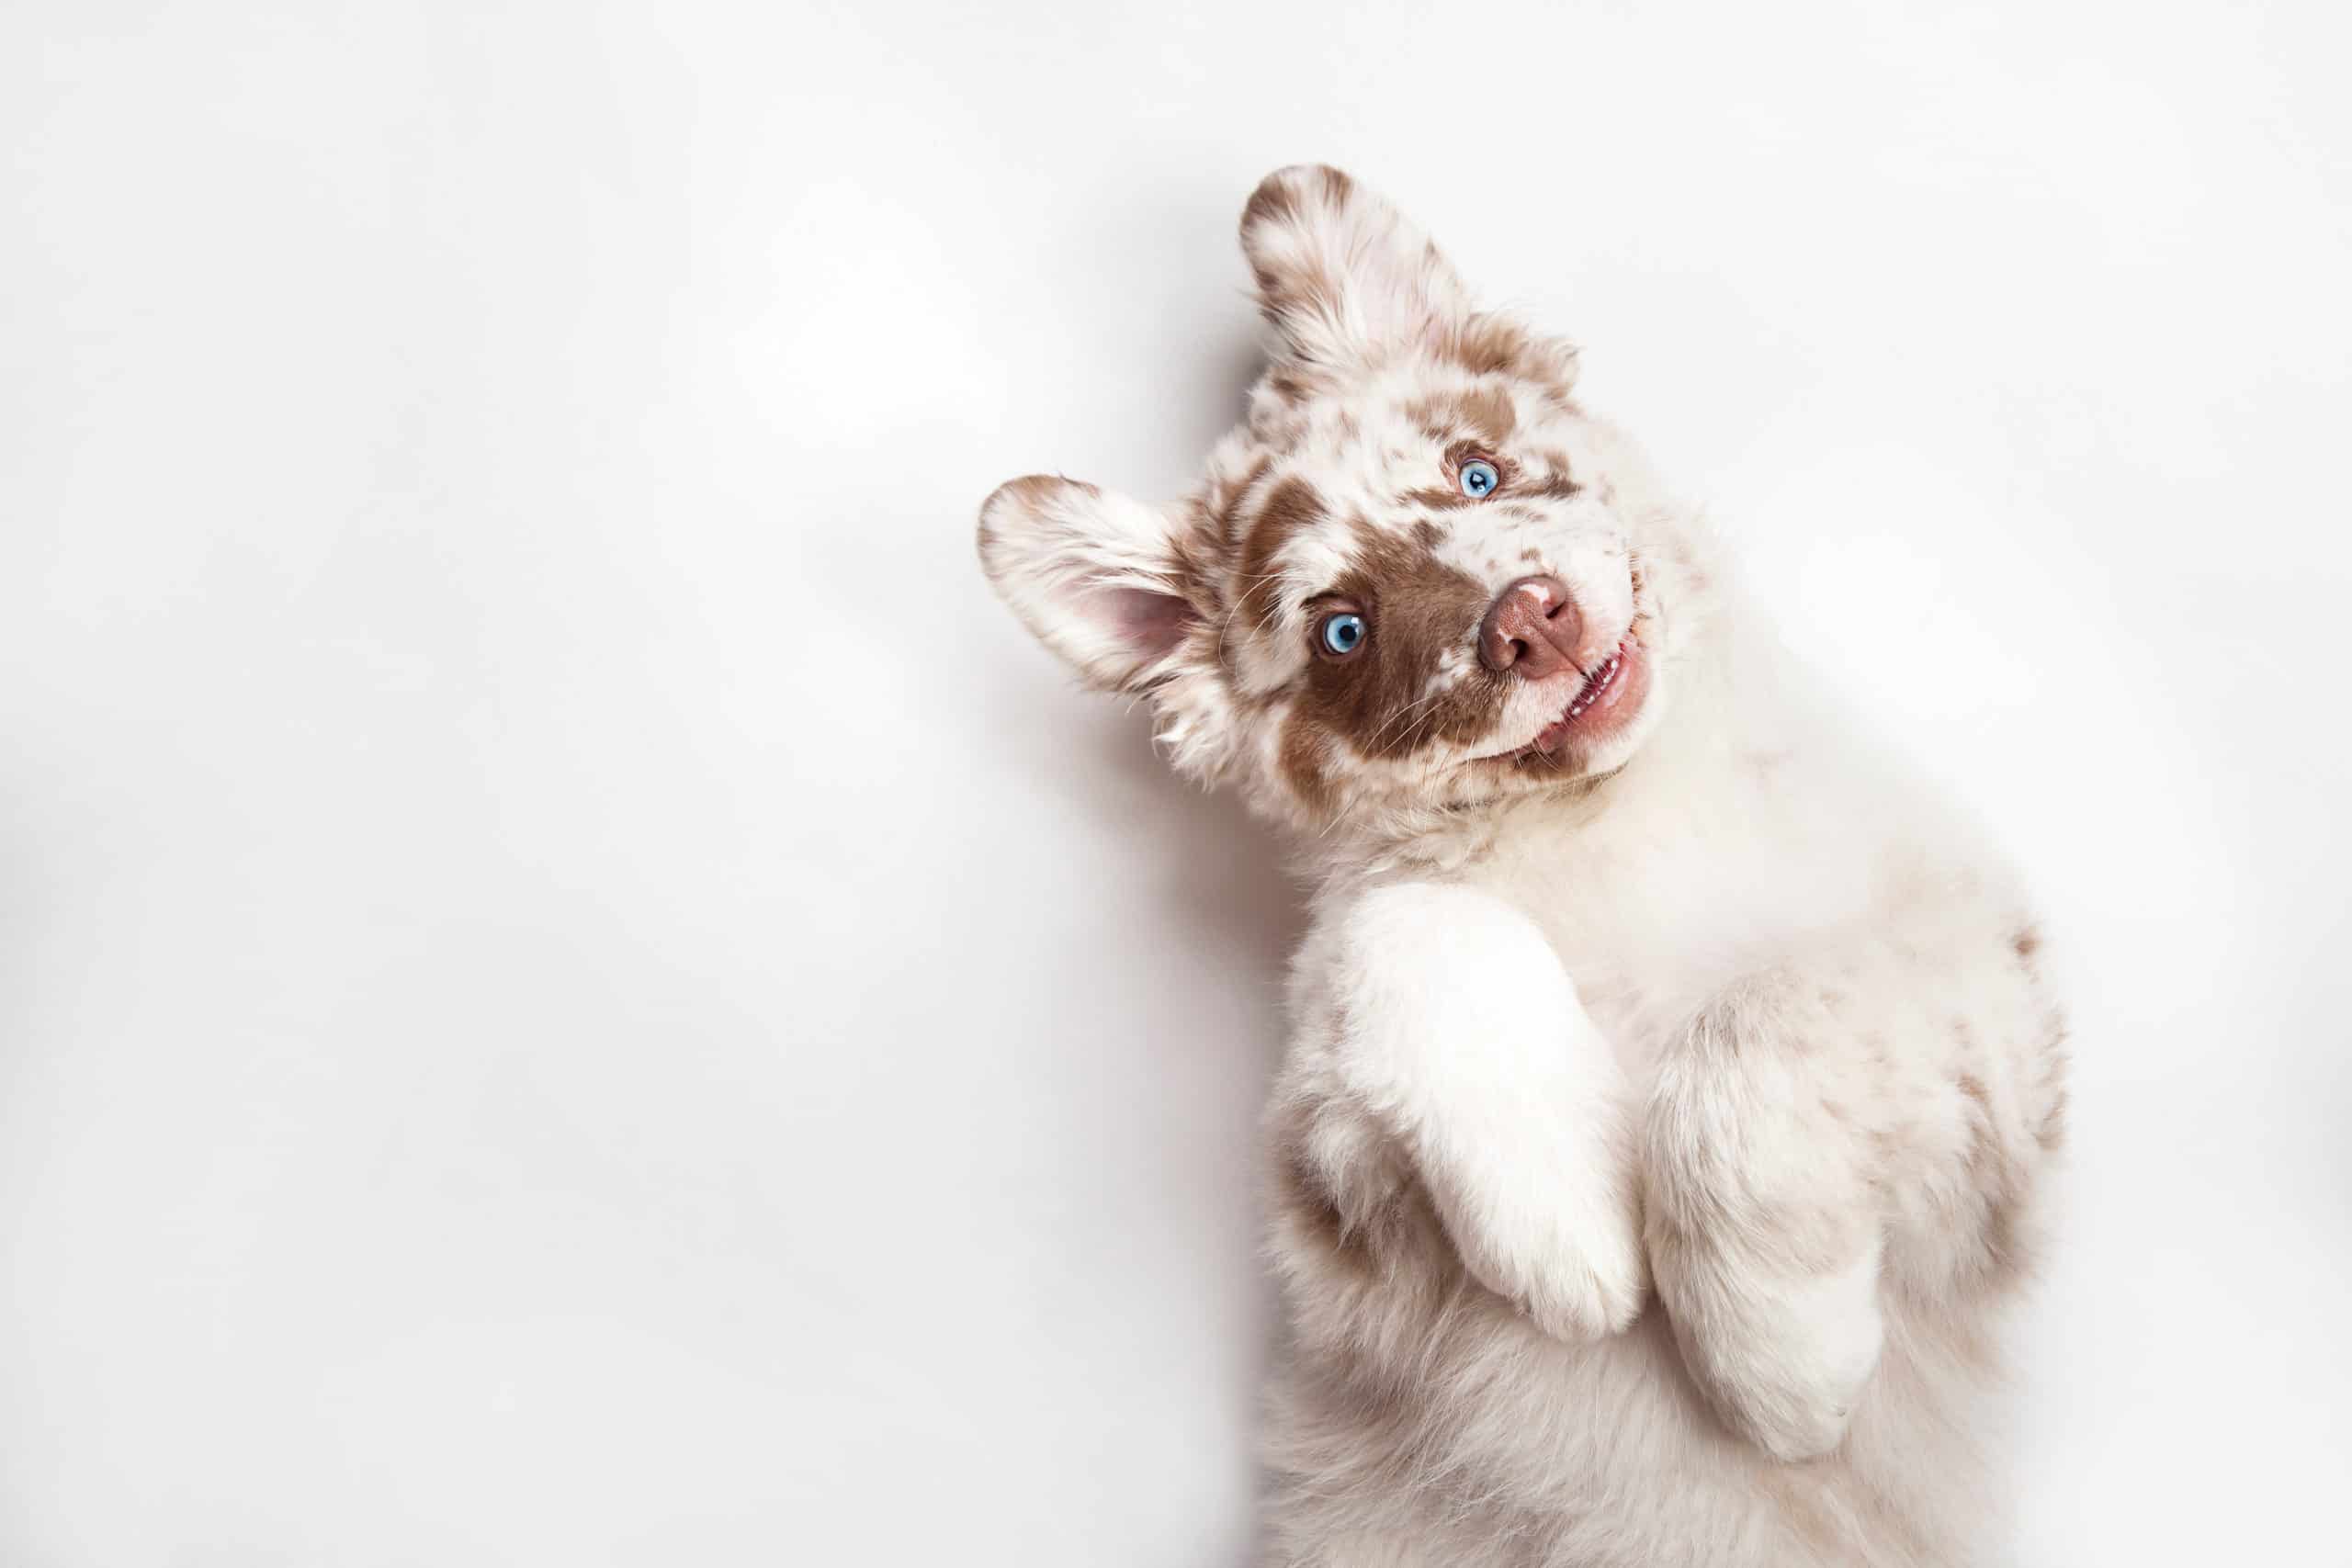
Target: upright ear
(1342, 275)
(1096, 575)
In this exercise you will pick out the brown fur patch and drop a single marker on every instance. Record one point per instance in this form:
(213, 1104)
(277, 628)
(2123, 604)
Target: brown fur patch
(1225, 501)
(1273, 202)
(1996, 1172)
(1034, 490)
(1495, 346)
(1438, 498)
(1295, 286)
(1293, 289)
(1200, 557)
(2051, 1132)
(1289, 384)
(1485, 411)
(2009, 1249)
(1306, 756)
(1377, 703)
(1450, 497)
(2009, 1253)
(1291, 506)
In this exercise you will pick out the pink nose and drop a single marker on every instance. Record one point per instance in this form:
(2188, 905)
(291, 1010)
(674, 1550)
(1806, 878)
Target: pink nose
(1532, 629)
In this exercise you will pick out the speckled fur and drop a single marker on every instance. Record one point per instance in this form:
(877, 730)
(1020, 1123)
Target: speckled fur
(1665, 1129)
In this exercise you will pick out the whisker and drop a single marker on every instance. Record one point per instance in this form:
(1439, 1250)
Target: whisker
(1402, 714)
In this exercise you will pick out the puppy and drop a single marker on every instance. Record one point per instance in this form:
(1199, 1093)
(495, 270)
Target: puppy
(1664, 1130)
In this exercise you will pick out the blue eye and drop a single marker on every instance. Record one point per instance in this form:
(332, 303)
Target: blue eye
(1342, 633)
(1479, 478)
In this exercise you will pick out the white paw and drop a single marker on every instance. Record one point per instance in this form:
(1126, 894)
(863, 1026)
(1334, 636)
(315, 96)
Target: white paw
(1790, 1419)
(1784, 1362)
(1584, 1275)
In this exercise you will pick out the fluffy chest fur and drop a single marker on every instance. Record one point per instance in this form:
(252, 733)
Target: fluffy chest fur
(1753, 827)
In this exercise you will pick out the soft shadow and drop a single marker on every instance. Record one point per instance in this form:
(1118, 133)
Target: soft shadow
(1213, 871)
(1222, 391)
(1216, 868)
(1220, 866)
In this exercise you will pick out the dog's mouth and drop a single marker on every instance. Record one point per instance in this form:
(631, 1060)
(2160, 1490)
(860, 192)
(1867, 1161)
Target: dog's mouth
(1607, 699)
(1594, 706)
(1598, 692)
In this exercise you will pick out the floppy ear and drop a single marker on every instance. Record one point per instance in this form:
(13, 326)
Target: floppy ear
(1342, 275)
(1096, 575)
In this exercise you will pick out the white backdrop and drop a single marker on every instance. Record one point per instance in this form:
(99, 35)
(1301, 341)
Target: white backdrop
(571, 989)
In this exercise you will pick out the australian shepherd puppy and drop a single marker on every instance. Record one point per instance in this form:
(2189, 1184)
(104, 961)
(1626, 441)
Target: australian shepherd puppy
(1672, 1087)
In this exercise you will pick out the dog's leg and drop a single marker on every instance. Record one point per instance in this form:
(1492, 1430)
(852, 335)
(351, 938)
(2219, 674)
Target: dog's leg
(1873, 1118)
(1453, 1025)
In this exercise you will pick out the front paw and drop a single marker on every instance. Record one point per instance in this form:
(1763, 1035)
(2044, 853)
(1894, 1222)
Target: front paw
(1581, 1276)
(1784, 1362)
(1594, 1294)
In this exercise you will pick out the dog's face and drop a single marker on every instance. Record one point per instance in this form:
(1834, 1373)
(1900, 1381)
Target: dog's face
(1418, 577)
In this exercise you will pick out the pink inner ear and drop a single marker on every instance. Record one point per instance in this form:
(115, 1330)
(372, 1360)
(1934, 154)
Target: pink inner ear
(1152, 624)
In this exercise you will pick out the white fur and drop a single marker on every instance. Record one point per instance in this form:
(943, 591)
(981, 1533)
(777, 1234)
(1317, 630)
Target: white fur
(1448, 1020)
(1070, 559)
(1729, 1007)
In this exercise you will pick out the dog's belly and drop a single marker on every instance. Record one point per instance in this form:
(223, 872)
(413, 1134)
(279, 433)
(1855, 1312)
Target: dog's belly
(1506, 1450)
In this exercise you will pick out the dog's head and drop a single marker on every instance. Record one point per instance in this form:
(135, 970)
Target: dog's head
(1418, 576)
